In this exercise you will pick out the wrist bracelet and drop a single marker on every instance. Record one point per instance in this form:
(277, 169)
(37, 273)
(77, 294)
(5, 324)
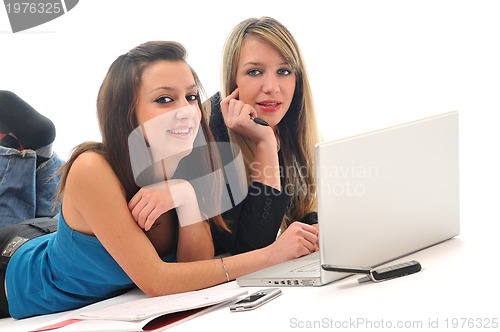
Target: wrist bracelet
(225, 269)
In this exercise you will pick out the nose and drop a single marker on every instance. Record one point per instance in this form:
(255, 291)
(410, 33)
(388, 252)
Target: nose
(184, 112)
(270, 84)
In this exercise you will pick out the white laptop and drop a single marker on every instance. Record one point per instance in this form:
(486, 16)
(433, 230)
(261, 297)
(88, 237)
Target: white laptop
(381, 195)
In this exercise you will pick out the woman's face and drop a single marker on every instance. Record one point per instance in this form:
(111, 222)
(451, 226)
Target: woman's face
(167, 109)
(265, 80)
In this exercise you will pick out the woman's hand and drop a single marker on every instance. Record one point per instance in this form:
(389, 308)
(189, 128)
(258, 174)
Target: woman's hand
(150, 202)
(297, 240)
(238, 117)
(194, 238)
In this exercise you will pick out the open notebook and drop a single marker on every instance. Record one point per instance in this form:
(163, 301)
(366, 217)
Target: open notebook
(381, 195)
(135, 311)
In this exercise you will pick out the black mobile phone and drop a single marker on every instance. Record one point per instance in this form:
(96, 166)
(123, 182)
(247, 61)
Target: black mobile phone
(378, 274)
(256, 299)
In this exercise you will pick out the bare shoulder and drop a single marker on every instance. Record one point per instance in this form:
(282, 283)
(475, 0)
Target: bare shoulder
(91, 169)
(90, 164)
(90, 161)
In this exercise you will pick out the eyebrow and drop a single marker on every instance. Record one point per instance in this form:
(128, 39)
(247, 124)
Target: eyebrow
(170, 88)
(254, 63)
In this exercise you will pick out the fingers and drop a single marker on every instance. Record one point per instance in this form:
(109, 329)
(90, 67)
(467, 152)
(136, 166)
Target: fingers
(148, 204)
(236, 113)
(308, 235)
(235, 94)
(150, 219)
(147, 216)
(309, 246)
(140, 210)
(316, 247)
(134, 200)
(224, 104)
(136, 205)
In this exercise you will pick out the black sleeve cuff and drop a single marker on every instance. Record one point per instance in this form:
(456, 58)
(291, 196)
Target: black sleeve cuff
(255, 222)
(310, 218)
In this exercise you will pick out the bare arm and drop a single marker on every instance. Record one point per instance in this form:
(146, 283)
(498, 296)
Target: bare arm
(94, 201)
(151, 202)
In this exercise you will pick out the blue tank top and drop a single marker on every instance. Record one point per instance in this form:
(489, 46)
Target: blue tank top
(62, 271)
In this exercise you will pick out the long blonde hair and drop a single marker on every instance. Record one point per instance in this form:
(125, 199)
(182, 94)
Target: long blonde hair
(298, 132)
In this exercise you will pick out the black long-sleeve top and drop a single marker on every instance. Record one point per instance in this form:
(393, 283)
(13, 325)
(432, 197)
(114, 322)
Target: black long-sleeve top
(255, 221)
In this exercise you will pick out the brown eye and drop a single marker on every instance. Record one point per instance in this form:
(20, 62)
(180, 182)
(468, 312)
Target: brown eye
(193, 97)
(163, 100)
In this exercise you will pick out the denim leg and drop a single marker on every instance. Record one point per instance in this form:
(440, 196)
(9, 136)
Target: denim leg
(47, 184)
(17, 185)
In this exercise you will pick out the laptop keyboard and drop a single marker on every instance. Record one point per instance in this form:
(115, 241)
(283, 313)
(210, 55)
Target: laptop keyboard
(311, 267)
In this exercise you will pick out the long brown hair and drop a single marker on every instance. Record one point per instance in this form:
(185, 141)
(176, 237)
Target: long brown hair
(116, 113)
(298, 131)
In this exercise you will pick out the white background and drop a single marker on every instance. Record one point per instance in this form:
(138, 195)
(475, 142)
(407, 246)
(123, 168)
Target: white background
(372, 64)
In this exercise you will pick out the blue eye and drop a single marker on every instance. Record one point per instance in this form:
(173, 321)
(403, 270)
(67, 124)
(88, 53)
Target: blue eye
(254, 72)
(163, 100)
(284, 72)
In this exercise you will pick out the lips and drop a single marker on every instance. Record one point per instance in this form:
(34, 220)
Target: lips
(180, 133)
(269, 105)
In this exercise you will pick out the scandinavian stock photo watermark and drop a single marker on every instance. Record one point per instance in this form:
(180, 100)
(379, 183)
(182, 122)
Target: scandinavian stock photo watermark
(170, 152)
(335, 180)
(347, 180)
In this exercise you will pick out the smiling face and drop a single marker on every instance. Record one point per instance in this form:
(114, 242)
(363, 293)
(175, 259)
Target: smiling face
(265, 80)
(167, 109)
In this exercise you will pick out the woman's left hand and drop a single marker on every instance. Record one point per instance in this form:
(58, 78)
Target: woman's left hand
(150, 202)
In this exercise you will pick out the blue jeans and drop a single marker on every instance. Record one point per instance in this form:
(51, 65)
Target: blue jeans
(26, 191)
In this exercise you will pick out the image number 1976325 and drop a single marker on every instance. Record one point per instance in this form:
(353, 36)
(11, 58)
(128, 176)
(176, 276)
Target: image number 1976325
(26, 14)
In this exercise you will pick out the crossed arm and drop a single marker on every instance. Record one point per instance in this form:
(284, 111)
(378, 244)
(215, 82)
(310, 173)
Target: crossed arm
(94, 203)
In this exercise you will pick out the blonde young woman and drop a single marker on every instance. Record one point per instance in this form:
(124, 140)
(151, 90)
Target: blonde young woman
(264, 77)
(113, 235)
